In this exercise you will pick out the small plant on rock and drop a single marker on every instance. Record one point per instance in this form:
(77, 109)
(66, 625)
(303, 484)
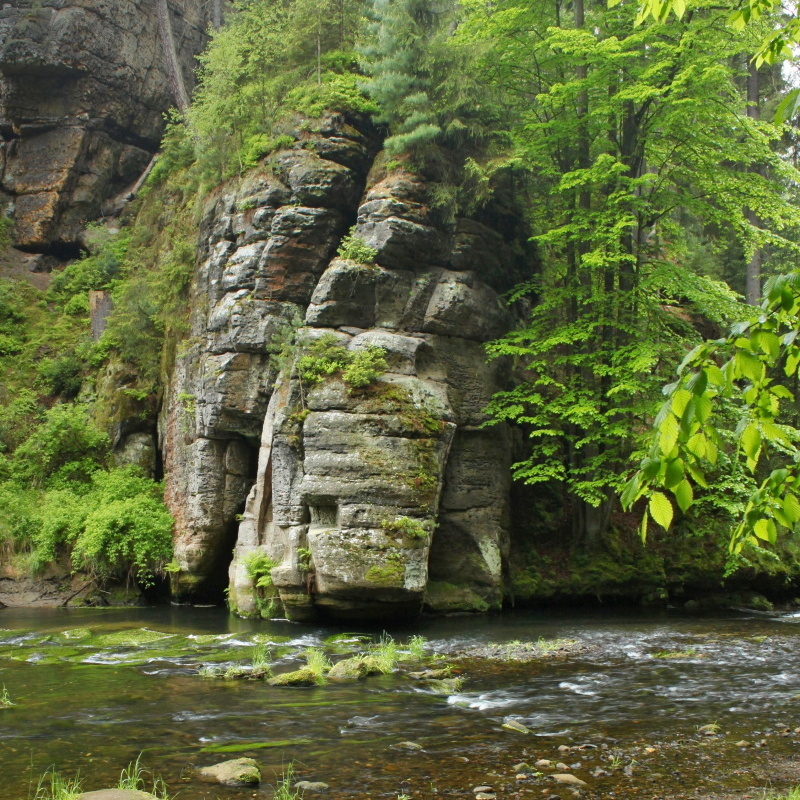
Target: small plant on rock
(406, 526)
(354, 248)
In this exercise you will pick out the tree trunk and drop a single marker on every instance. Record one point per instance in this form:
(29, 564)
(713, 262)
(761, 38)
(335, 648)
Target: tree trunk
(216, 14)
(753, 275)
(174, 74)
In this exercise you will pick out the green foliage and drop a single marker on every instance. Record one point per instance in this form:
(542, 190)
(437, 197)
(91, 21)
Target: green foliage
(54, 786)
(267, 59)
(354, 248)
(364, 368)
(745, 373)
(318, 663)
(6, 231)
(405, 526)
(609, 164)
(258, 567)
(62, 375)
(303, 559)
(384, 654)
(326, 357)
(397, 59)
(97, 270)
(284, 788)
(132, 778)
(66, 446)
(416, 647)
(336, 92)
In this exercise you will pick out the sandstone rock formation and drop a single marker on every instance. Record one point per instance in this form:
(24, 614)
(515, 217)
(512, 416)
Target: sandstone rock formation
(83, 91)
(365, 501)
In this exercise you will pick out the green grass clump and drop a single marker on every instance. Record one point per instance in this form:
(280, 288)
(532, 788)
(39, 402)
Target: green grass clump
(318, 663)
(284, 790)
(5, 699)
(354, 248)
(325, 357)
(132, 778)
(54, 786)
(384, 654)
(416, 647)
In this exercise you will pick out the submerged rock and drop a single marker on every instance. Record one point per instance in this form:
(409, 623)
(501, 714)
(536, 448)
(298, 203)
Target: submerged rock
(314, 787)
(237, 772)
(513, 725)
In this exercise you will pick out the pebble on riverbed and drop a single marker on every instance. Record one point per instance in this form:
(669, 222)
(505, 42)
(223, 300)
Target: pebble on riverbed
(571, 780)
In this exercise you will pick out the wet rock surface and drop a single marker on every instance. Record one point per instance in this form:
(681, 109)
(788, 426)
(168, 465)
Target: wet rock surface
(83, 97)
(235, 772)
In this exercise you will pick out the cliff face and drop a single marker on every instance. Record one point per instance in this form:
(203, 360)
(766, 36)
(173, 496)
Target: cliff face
(367, 500)
(83, 91)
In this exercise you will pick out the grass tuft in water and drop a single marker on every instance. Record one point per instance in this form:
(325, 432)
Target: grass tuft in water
(284, 789)
(54, 786)
(5, 699)
(318, 663)
(262, 656)
(384, 654)
(132, 778)
(416, 647)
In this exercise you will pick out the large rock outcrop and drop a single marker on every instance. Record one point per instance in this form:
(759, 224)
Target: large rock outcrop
(363, 500)
(83, 91)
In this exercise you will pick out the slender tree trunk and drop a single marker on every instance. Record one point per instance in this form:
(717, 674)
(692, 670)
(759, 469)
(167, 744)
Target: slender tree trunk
(216, 14)
(753, 274)
(174, 74)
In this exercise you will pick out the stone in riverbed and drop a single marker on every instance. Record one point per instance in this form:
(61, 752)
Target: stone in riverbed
(513, 725)
(568, 779)
(237, 772)
(410, 746)
(314, 787)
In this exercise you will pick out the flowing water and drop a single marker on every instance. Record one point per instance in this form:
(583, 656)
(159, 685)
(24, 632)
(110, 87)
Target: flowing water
(628, 694)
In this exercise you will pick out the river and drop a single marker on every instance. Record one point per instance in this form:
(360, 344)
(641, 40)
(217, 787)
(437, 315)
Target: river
(629, 694)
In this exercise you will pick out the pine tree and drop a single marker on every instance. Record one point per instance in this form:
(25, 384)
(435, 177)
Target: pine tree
(399, 65)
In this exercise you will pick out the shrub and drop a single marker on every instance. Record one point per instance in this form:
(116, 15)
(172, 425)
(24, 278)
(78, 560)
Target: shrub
(326, 357)
(354, 248)
(413, 528)
(66, 446)
(62, 375)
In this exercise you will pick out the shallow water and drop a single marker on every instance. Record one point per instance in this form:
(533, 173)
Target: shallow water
(95, 688)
